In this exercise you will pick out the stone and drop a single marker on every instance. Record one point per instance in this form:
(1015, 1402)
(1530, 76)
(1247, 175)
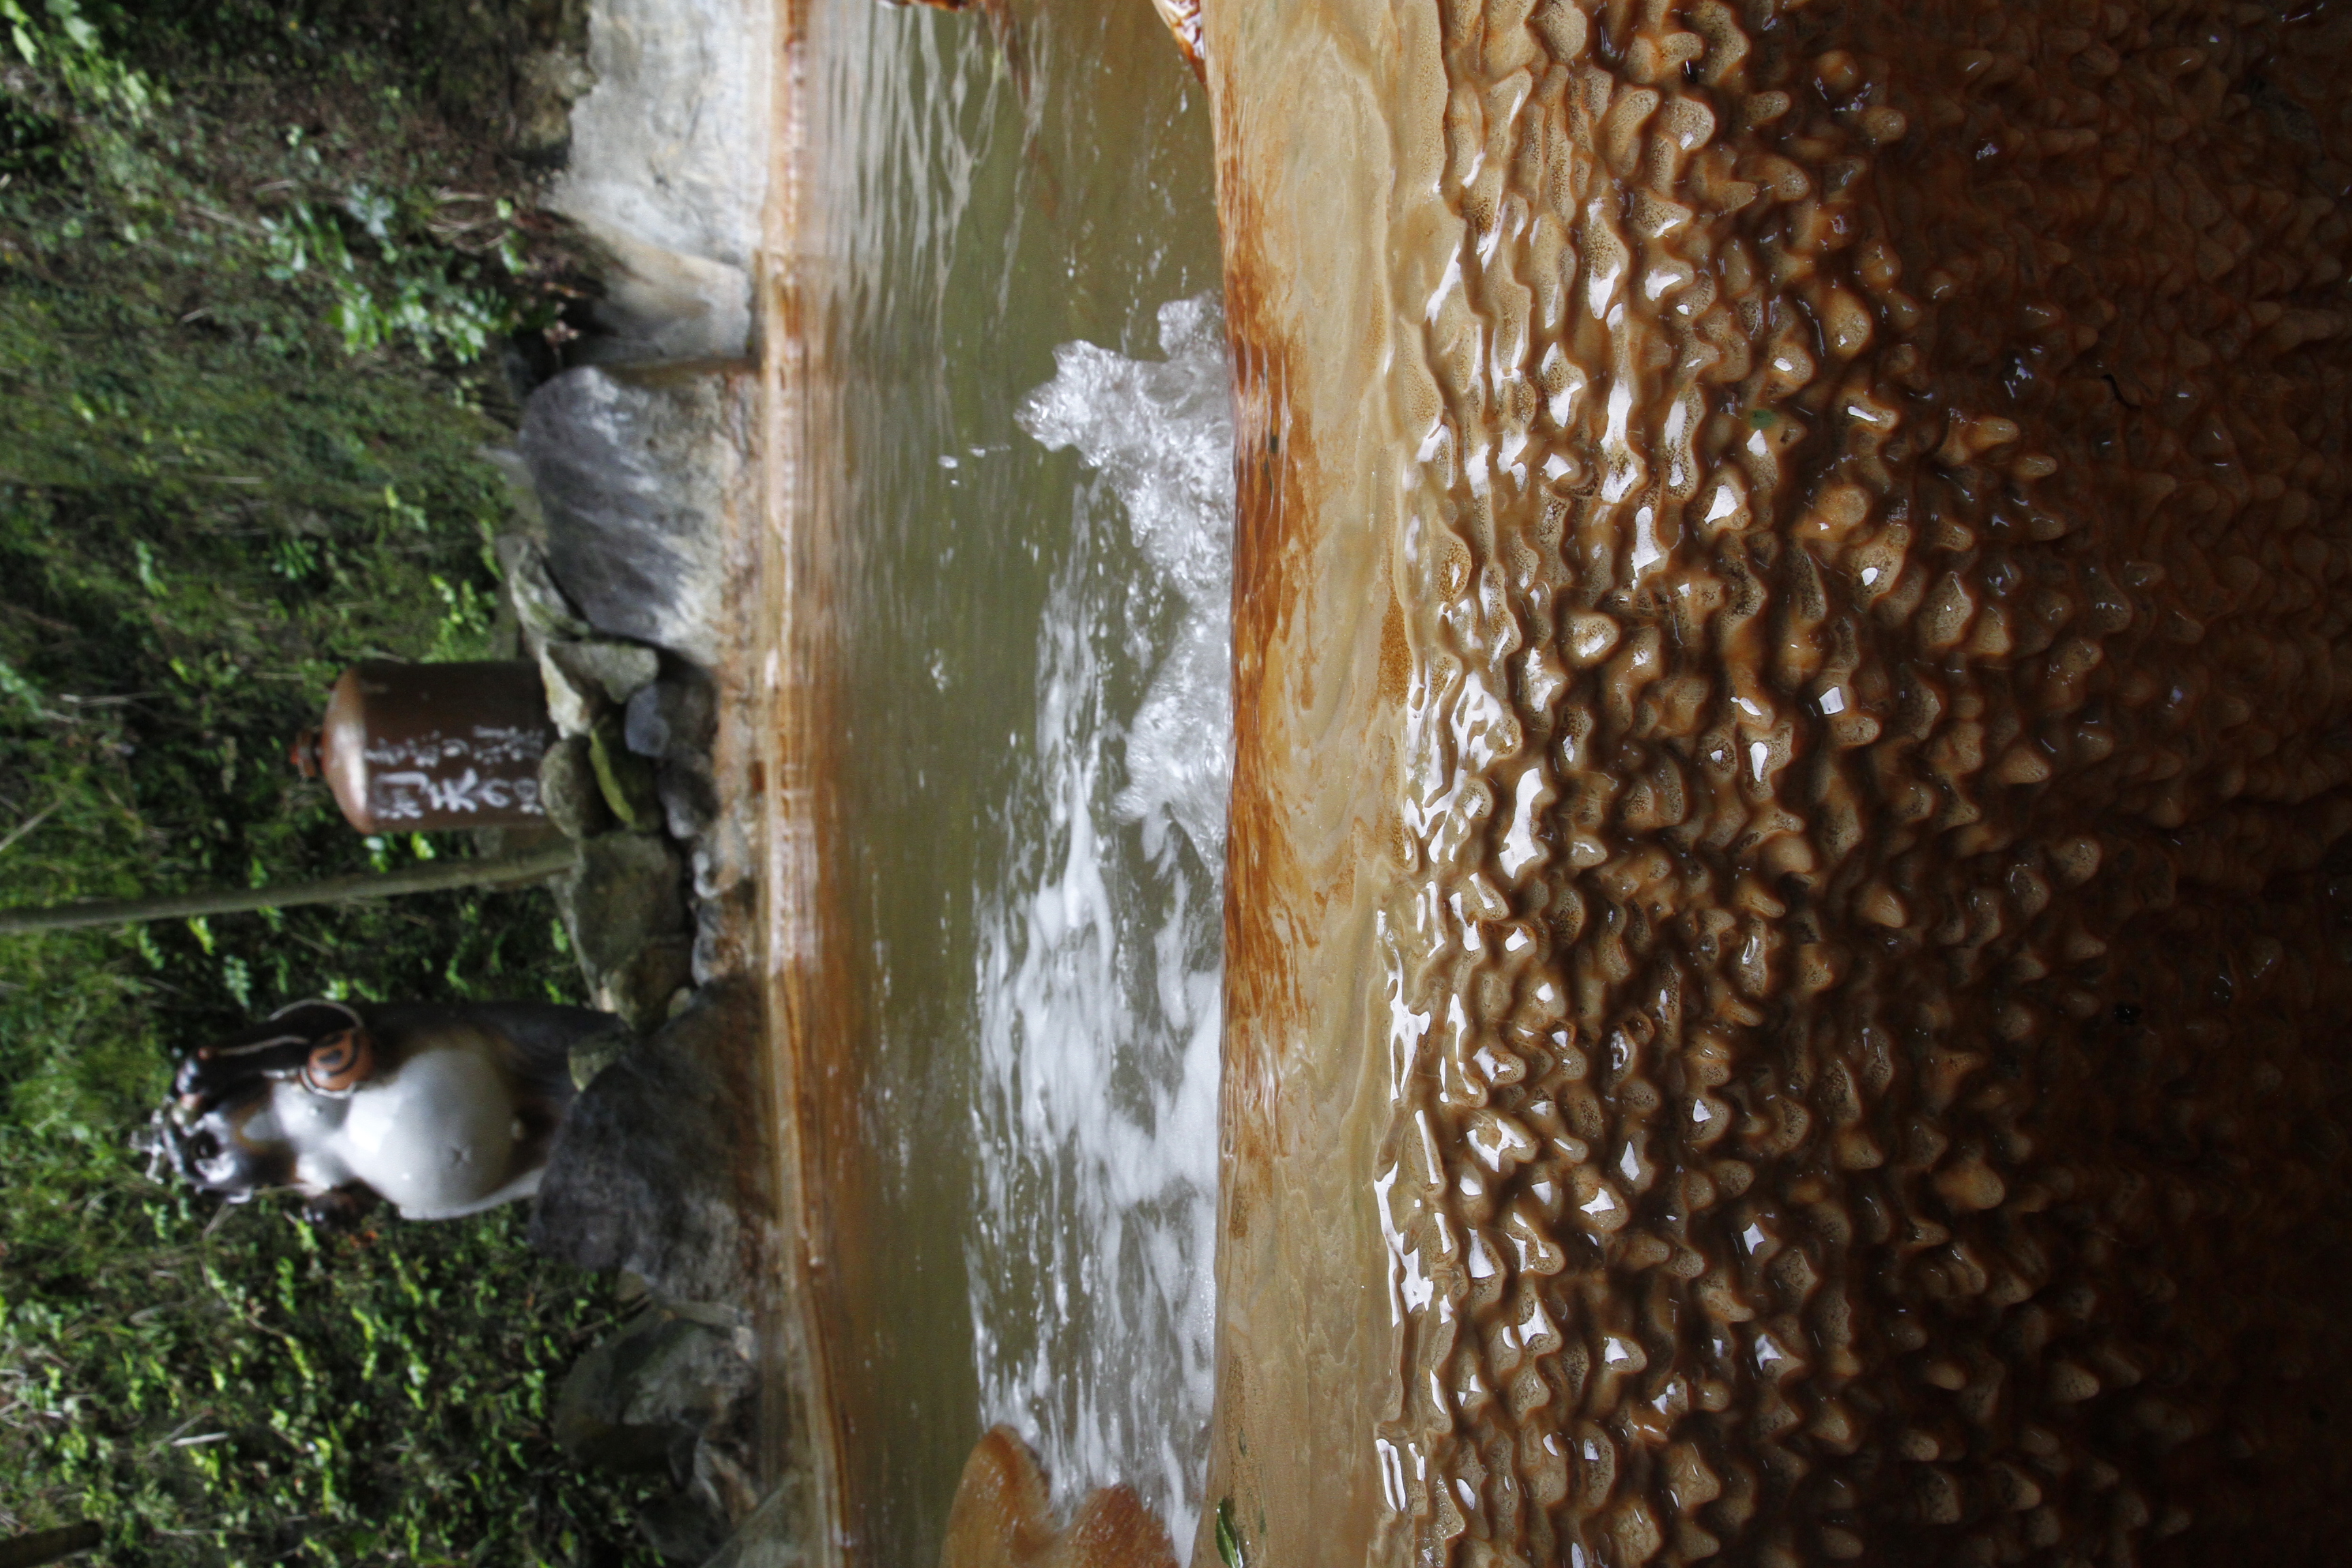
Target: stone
(618, 669)
(725, 931)
(682, 1528)
(547, 81)
(689, 796)
(640, 991)
(671, 717)
(517, 475)
(772, 1535)
(634, 470)
(538, 603)
(572, 704)
(675, 1392)
(644, 1397)
(724, 1469)
(625, 779)
(669, 147)
(662, 1166)
(568, 790)
(662, 306)
(625, 890)
(644, 726)
(690, 1375)
(592, 1056)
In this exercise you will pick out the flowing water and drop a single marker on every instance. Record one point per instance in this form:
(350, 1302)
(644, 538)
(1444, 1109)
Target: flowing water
(1010, 278)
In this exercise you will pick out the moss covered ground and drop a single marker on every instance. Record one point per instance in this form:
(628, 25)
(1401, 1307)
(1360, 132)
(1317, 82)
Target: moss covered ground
(259, 265)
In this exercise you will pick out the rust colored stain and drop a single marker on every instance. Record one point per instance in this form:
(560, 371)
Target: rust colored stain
(809, 1409)
(1272, 541)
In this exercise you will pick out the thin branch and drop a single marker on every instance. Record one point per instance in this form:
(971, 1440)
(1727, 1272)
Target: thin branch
(434, 876)
(27, 826)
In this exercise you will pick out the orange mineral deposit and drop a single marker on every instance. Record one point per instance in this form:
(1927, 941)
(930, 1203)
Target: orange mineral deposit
(1001, 1519)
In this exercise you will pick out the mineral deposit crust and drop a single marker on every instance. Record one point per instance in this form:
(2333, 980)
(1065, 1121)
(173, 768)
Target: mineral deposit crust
(1791, 878)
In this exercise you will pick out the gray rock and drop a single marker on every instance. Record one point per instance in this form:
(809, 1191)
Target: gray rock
(625, 778)
(573, 704)
(538, 603)
(725, 927)
(643, 1397)
(517, 475)
(592, 1056)
(661, 306)
(644, 726)
(724, 1465)
(682, 1528)
(640, 991)
(634, 470)
(661, 1166)
(670, 146)
(624, 892)
(689, 797)
(568, 790)
(691, 1376)
(547, 81)
(618, 669)
(586, 1422)
(772, 1535)
(672, 715)
(718, 1316)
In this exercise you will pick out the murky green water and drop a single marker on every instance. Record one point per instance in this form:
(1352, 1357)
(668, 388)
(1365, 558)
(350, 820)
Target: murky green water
(1032, 890)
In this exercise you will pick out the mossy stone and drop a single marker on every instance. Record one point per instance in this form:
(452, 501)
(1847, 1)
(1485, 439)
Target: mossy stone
(625, 779)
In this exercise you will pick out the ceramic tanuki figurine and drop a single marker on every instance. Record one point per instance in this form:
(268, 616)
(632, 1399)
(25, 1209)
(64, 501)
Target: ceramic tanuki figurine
(439, 1109)
(1001, 1519)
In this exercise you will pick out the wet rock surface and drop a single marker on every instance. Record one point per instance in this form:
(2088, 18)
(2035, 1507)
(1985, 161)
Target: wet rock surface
(1784, 1006)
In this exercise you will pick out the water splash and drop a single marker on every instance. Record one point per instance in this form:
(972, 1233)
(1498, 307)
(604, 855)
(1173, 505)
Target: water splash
(1094, 1243)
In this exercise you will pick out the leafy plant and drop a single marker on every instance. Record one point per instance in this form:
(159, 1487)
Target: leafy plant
(254, 261)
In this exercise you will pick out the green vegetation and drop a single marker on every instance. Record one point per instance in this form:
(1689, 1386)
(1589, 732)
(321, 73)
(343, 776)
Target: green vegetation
(256, 263)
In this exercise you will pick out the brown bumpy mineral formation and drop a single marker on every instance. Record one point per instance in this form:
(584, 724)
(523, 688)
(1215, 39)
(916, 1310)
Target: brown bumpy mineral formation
(1791, 913)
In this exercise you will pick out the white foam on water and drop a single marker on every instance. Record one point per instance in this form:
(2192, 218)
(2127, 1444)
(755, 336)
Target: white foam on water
(1092, 1249)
